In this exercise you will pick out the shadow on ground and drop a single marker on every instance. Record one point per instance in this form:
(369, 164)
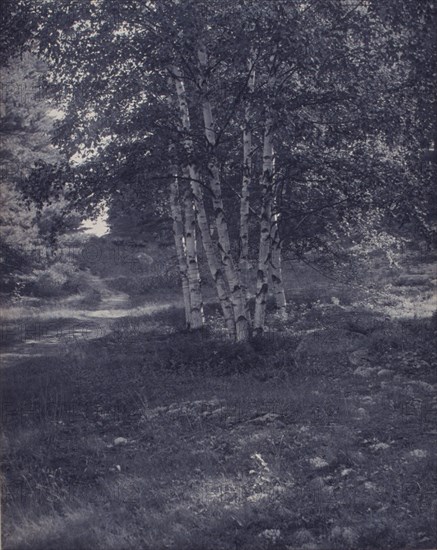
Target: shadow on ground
(318, 435)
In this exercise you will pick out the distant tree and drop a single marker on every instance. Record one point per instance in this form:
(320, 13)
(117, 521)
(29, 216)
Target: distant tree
(27, 228)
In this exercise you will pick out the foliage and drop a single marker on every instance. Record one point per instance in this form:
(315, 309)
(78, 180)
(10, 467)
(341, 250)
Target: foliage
(29, 229)
(350, 126)
(16, 27)
(353, 92)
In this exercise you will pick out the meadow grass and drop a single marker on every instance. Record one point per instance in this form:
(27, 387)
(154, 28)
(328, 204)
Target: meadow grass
(319, 435)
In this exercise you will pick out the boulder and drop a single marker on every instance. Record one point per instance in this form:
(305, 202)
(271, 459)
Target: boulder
(329, 342)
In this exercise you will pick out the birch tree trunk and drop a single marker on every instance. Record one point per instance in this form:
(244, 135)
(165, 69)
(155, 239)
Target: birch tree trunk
(264, 257)
(276, 269)
(238, 295)
(247, 180)
(202, 220)
(178, 234)
(193, 275)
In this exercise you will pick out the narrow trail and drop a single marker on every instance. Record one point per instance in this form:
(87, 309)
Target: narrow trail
(39, 331)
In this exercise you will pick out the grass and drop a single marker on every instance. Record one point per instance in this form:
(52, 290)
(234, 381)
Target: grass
(278, 444)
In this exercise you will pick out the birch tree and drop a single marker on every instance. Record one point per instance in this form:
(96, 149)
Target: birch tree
(202, 220)
(237, 291)
(193, 274)
(247, 177)
(181, 249)
(278, 290)
(267, 183)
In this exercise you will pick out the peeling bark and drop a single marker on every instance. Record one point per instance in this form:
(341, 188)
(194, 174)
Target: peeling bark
(193, 275)
(202, 220)
(176, 213)
(278, 290)
(265, 248)
(247, 180)
(237, 293)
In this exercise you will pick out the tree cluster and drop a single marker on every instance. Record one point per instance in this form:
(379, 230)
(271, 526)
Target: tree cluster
(261, 128)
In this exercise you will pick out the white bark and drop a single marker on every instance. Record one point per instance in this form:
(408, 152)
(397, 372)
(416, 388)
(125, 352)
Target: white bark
(238, 294)
(278, 290)
(193, 275)
(179, 239)
(202, 220)
(247, 180)
(264, 257)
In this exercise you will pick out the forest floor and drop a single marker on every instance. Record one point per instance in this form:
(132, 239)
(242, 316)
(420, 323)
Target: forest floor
(123, 431)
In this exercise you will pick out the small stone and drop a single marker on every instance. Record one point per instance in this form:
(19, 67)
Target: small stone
(345, 534)
(318, 462)
(350, 535)
(265, 418)
(120, 441)
(303, 536)
(365, 372)
(384, 372)
(428, 388)
(318, 483)
(359, 357)
(419, 453)
(271, 534)
(218, 412)
(358, 457)
(379, 446)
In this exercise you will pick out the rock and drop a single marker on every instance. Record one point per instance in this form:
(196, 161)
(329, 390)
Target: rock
(384, 372)
(365, 372)
(361, 413)
(350, 536)
(120, 441)
(218, 412)
(336, 532)
(427, 388)
(317, 484)
(359, 357)
(366, 323)
(344, 535)
(379, 446)
(419, 453)
(272, 535)
(412, 280)
(318, 462)
(358, 457)
(264, 419)
(329, 342)
(303, 536)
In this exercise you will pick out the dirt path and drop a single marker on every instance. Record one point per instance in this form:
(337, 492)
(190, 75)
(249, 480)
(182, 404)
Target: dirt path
(38, 331)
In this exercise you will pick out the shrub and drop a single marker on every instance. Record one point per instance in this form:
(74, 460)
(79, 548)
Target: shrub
(51, 281)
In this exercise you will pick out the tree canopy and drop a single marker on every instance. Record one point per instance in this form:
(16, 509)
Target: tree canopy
(343, 90)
